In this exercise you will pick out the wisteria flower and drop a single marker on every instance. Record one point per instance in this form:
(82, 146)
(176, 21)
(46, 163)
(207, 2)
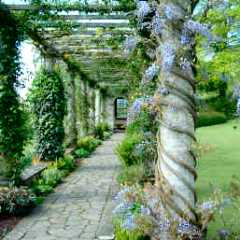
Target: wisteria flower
(130, 44)
(168, 56)
(143, 9)
(150, 73)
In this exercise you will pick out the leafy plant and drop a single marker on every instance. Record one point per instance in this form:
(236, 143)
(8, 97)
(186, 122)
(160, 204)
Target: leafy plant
(15, 200)
(101, 129)
(67, 163)
(88, 143)
(48, 103)
(210, 118)
(82, 153)
(12, 135)
(131, 175)
(125, 149)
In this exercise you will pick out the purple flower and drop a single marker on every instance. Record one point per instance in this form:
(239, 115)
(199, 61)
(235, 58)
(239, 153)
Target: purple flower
(122, 208)
(168, 56)
(207, 206)
(130, 44)
(157, 24)
(196, 27)
(223, 234)
(173, 12)
(150, 73)
(145, 211)
(129, 222)
(186, 228)
(238, 107)
(143, 9)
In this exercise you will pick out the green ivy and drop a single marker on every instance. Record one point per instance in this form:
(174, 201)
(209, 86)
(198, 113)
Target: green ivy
(48, 103)
(11, 118)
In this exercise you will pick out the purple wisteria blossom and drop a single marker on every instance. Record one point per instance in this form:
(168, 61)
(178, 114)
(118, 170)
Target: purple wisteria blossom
(122, 208)
(157, 24)
(186, 228)
(143, 9)
(238, 107)
(207, 206)
(129, 222)
(168, 56)
(130, 44)
(173, 12)
(150, 73)
(223, 234)
(196, 27)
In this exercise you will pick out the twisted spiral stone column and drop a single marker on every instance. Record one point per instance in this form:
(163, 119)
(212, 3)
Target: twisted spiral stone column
(176, 164)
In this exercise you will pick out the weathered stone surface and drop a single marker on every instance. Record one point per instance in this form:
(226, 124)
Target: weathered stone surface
(81, 207)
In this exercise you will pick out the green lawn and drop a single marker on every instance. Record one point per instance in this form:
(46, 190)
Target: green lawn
(220, 163)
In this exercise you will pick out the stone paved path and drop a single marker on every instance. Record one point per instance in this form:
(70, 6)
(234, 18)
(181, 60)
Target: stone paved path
(81, 207)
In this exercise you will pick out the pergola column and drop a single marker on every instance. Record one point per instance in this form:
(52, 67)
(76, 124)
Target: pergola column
(97, 106)
(71, 124)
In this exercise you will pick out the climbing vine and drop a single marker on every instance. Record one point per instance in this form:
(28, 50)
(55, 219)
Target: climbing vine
(11, 120)
(48, 103)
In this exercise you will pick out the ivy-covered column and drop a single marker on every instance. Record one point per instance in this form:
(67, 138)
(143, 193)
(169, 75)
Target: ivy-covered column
(92, 109)
(97, 106)
(48, 102)
(71, 123)
(11, 120)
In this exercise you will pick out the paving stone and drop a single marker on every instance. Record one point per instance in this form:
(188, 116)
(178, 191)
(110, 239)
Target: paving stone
(81, 207)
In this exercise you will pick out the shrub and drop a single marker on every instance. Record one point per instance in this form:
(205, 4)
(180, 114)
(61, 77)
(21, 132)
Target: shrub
(16, 201)
(67, 163)
(144, 123)
(88, 143)
(82, 153)
(101, 131)
(52, 176)
(131, 175)
(48, 103)
(125, 149)
(226, 105)
(210, 118)
(121, 234)
(48, 180)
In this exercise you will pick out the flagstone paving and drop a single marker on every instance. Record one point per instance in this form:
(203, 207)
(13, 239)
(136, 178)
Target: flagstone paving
(81, 207)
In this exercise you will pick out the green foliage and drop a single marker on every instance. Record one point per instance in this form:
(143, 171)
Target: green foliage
(145, 122)
(67, 163)
(131, 175)
(125, 149)
(16, 201)
(225, 105)
(210, 118)
(48, 103)
(101, 130)
(88, 143)
(48, 180)
(82, 153)
(122, 234)
(11, 119)
(86, 146)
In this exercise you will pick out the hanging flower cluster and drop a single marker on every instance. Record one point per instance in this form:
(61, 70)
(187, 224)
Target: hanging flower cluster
(130, 44)
(173, 12)
(142, 210)
(151, 72)
(135, 109)
(168, 54)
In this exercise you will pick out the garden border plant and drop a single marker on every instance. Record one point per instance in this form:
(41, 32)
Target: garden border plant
(11, 119)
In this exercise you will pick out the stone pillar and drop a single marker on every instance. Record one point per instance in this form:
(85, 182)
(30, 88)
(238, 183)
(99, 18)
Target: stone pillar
(71, 124)
(92, 110)
(97, 106)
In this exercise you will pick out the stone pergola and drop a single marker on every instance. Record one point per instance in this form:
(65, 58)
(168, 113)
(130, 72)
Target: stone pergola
(99, 79)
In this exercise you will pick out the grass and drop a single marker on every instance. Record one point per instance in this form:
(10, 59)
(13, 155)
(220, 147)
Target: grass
(217, 166)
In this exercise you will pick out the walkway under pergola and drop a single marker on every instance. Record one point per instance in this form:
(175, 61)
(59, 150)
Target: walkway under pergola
(94, 43)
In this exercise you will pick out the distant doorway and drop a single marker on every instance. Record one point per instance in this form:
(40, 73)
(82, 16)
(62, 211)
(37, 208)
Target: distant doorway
(121, 112)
